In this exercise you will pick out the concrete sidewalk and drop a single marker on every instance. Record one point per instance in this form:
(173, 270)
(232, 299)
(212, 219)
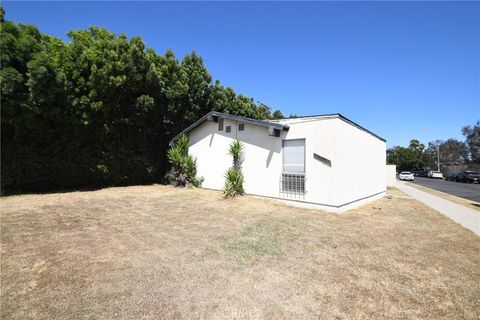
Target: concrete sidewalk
(467, 217)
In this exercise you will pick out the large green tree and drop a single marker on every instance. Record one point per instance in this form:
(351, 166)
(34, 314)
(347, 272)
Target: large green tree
(98, 110)
(407, 158)
(472, 137)
(404, 159)
(451, 153)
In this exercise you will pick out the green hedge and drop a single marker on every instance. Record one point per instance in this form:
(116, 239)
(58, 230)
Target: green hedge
(98, 110)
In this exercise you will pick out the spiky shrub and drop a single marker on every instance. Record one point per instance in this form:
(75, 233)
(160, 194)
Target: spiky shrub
(236, 151)
(185, 166)
(234, 176)
(233, 183)
(182, 144)
(191, 171)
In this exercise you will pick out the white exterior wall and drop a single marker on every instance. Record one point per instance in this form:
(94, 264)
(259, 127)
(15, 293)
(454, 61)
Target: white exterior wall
(354, 155)
(319, 138)
(360, 167)
(262, 161)
(391, 175)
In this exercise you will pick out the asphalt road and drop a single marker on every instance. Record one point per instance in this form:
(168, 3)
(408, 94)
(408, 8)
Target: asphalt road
(470, 191)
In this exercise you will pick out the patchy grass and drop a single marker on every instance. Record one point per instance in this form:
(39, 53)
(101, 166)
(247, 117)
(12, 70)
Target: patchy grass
(464, 202)
(265, 238)
(155, 252)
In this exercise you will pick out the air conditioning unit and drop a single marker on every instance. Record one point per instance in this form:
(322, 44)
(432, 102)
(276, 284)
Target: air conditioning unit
(273, 132)
(212, 117)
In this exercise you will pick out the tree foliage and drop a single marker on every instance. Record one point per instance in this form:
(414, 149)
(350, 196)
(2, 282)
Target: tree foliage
(98, 110)
(406, 158)
(472, 137)
(277, 114)
(451, 152)
(416, 147)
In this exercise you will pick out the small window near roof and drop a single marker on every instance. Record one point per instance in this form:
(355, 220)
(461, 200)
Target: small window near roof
(220, 124)
(241, 127)
(228, 128)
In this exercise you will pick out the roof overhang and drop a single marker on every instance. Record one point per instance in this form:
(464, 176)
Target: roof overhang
(330, 116)
(214, 115)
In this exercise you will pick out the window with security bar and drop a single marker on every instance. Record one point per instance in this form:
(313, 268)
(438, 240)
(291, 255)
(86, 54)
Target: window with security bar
(293, 175)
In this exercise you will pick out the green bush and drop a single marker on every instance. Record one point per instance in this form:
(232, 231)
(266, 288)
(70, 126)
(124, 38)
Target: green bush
(185, 166)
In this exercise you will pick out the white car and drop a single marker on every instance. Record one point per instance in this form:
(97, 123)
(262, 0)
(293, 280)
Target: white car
(406, 175)
(435, 174)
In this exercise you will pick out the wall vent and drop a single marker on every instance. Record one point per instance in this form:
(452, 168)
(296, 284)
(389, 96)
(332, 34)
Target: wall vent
(220, 124)
(322, 159)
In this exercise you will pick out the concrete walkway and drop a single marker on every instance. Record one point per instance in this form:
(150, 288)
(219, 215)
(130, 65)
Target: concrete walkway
(465, 216)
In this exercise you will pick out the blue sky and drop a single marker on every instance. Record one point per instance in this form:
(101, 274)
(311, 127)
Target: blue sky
(403, 70)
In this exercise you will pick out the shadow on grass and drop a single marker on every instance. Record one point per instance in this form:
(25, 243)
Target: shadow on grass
(79, 189)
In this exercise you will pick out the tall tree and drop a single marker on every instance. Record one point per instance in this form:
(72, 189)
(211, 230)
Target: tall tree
(198, 80)
(417, 148)
(277, 114)
(98, 110)
(472, 137)
(451, 153)
(404, 158)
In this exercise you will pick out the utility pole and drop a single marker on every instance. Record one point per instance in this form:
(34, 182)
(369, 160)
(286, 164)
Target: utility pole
(438, 158)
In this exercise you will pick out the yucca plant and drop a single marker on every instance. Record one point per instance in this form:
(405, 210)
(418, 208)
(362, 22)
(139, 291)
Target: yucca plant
(233, 183)
(234, 176)
(175, 156)
(182, 144)
(191, 171)
(236, 151)
(185, 166)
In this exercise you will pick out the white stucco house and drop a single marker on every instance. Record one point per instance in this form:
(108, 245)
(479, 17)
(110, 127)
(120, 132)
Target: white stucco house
(327, 161)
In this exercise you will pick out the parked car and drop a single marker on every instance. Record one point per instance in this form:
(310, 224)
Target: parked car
(434, 174)
(451, 177)
(406, 175)
(419, 173)
(468, 176)
(422, 173)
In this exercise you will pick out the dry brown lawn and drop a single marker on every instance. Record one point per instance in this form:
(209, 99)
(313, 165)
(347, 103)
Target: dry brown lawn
(156, 252)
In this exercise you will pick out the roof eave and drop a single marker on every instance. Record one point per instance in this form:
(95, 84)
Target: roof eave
(261, 123)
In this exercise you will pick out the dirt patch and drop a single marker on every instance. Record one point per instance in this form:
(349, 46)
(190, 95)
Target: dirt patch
(155, 252)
